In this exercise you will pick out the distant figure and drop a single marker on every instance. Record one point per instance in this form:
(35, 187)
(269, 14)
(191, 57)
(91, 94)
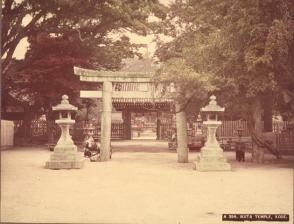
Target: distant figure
(172, 144)
(174, 137)
(140, 128)
(240, 152)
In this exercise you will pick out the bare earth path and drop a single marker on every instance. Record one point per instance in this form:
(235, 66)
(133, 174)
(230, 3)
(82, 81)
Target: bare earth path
(142, 183)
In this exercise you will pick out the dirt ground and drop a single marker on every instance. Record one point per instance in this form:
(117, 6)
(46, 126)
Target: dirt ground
(143, 183)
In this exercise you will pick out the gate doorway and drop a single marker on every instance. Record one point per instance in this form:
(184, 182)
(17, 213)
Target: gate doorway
(144, 126)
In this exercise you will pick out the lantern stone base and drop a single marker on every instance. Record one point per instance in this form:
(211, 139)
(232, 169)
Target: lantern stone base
(65, 157)
(212, 160)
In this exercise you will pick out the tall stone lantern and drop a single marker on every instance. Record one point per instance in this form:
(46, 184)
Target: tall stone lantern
(212, 157)
(65, 155)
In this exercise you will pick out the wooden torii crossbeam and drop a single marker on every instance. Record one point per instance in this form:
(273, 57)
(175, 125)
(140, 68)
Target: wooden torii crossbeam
(107, 78)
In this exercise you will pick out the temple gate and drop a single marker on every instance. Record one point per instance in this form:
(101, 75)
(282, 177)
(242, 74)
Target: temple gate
(112, 93)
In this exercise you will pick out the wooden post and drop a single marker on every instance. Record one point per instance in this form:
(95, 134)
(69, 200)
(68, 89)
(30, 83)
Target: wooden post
(158, 124)
(106, 121)
(127, 124)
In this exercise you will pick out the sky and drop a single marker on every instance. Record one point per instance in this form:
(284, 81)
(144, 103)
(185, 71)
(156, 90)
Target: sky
(23, 45)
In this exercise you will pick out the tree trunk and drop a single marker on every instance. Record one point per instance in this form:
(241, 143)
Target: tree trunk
(181, 123)
(50, 127)
(268, 113)
(27, 125)
(257, 151)
(158, 124)
(255, 126)
(50, 133)
(127, 125)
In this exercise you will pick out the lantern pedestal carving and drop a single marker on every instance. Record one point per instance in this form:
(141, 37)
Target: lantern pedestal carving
(65, 155)
(212, 156)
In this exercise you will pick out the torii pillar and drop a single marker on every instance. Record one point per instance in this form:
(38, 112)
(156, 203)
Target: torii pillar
(106, 120)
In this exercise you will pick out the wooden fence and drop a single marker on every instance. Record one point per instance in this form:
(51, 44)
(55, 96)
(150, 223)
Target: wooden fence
(78, 133)
(39, 130)
(285, 139)
(228, 129)
(166, 130)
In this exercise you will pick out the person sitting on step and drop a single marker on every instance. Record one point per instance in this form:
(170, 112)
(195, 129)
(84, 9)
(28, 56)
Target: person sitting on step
(92, 149)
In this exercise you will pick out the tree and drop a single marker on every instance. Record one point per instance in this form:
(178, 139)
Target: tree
(63, 34)
(246, 45)
(46, 72)
(188, 85)
(90, 20)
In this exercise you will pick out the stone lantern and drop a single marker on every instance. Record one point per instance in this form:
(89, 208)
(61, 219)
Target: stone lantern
(89, 130)
(199, 125)
(212, 157)
(65, 155)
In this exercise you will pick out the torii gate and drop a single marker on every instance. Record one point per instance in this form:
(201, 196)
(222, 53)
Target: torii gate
(107, 78)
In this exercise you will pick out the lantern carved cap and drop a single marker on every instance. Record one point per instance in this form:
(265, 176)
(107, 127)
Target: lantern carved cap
(64, 105)
(212, 106)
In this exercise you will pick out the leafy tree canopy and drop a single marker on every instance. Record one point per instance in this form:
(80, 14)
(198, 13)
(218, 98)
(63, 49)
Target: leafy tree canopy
(190, 86)
(91, 20)
(63, 34)
(247, 45)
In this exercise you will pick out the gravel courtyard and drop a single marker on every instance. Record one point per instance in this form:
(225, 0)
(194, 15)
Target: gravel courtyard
(143, 183)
